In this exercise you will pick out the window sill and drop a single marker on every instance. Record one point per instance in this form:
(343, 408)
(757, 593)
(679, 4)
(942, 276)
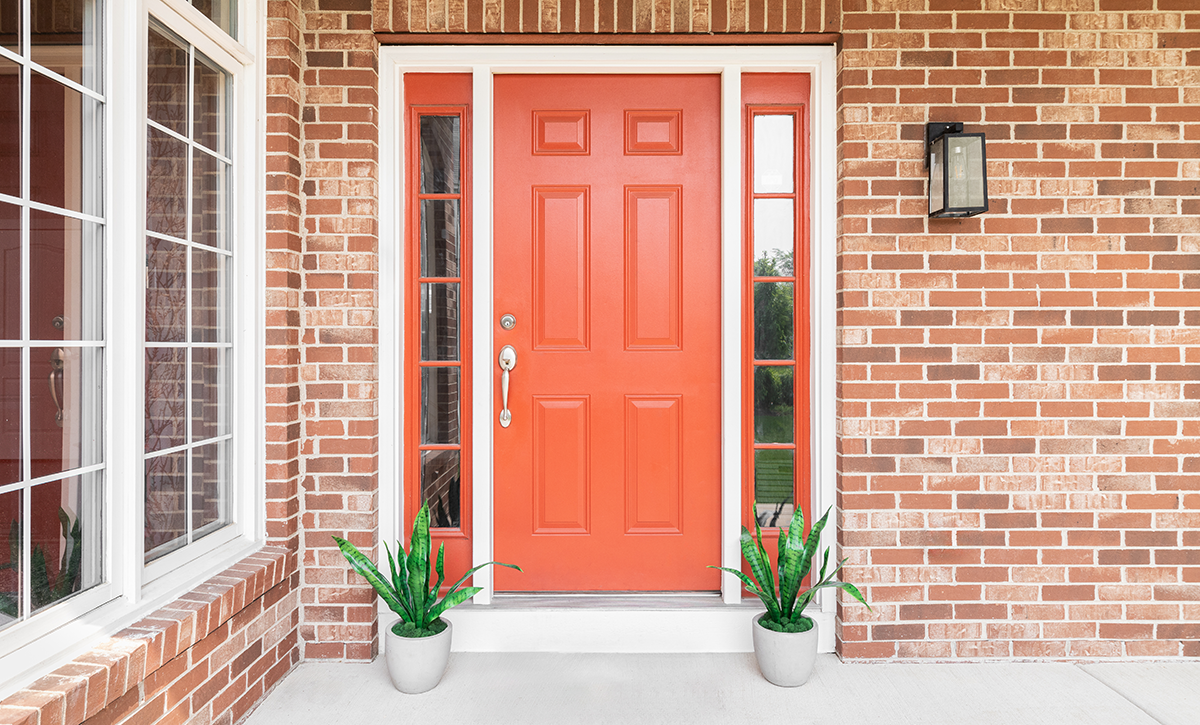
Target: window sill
(99, 677)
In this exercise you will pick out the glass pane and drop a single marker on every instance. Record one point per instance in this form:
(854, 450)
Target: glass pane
(64, 169)
(210, 392)
(10, 128)
(210, 311)
(166, 291)
(439, 155)
(166, 504)
(439, 238)
(209, 474)
(66, 408)
(66, 38)
(166, 411)
(774, 330)
(440, 488)
(210, 200)
(774, 154)
(11, 516)
(439, 321)
(10, 271)
(12, 455)
(774, 397)
(439, 405)
(774, 486)
(937, 154)
(166, 184)
(210, 122)
(65, 539)
(66, 273)
(774, 237)
(221, 12)
(965, 160)
(166, 82)
(10, 25)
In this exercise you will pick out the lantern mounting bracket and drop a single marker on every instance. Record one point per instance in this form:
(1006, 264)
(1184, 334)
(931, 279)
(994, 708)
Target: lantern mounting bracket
(934, 130)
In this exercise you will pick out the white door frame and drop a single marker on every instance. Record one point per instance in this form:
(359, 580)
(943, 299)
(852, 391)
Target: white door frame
(484, 62)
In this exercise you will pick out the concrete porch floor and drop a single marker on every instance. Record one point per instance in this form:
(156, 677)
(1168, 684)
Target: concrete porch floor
(727, 688)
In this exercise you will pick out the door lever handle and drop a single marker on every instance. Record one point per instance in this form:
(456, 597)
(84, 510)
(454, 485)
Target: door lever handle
(507, 361)
(57, 363)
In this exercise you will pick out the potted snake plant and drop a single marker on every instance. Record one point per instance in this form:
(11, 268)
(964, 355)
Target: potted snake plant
(418, 645)
(785, 640)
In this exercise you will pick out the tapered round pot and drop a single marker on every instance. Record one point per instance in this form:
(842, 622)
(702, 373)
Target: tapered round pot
(786, 659)
(416, 664)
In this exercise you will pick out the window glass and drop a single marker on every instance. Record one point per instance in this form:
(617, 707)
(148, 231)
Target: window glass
(52, 468)
(189, 259)
(221, 12)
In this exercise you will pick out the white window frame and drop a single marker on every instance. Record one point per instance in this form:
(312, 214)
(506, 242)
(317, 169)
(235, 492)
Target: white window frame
(730, 62)
(131, 588)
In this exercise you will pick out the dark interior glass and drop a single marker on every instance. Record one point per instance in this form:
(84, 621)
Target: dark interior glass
(439, 405)
(439, 237)
(10, 128)
(10, 272)
(440, 155)
(12, 453)
(441, 488)
(11, 580)
(439, 321)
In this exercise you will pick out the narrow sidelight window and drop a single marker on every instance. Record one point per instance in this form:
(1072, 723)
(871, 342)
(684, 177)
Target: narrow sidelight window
(189, 259)
(777, 297)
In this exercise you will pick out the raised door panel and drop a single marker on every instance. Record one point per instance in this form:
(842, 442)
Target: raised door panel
(653, 268)
(561, 470)
(653, 465)
(561, 267)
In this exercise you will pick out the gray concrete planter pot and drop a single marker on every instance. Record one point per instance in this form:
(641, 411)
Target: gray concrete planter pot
(416, 664)
(786, 659)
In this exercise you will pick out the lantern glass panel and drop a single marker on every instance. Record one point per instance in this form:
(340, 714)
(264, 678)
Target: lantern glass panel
(964, 158)
(937, 192)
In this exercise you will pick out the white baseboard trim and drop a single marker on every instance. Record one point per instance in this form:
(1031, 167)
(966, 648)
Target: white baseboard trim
(714, 629)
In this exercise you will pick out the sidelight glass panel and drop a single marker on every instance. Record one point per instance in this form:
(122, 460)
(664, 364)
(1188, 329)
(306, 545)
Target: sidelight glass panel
(67, 262)
(209, 478)
(166, 503)
(774, 415)
(774, 479)
(12, 454)
(440, 395)
(166, 184)
(11, 576)
(441, 488)
(65, 538)
(166, 291)
(10, 271)
(439, 321)
(774, 237)
(66, 409)
(774, 330)
(439, 238)
(166, 404)
(166, 81)
(774, 154)
(440, 155)
(10, 128)
(210, 292)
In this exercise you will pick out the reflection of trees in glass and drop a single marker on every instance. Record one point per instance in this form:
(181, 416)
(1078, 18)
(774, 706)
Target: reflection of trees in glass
(773, 308)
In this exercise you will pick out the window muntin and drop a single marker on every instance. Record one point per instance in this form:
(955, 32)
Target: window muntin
(189, 261)
(52, 229)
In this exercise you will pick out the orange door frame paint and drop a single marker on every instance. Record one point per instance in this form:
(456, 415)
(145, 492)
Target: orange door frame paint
(779, 93)
(608, 477)
(437, 94)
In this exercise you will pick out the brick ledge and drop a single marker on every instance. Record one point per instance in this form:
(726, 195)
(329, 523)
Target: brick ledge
(97, 678)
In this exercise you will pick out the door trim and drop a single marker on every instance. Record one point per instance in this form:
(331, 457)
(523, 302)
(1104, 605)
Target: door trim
(484, 62)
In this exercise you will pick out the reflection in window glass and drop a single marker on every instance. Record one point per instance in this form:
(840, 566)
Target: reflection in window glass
(774, 327)
(439, 405)
(66, 39)
(10, 25)
(10, 128)
(774, 478)
(12, 600)
(439, 154)
(65, 553)
(12, 452)
(774, 153)
(441, 487)
(439, 321)
(221, 12)
(774, 400)
(439, 237)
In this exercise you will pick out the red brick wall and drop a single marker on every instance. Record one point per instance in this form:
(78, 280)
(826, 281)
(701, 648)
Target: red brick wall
(1020, 392)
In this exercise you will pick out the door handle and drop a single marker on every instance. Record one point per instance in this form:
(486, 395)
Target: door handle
(57, 363)
(507, 361)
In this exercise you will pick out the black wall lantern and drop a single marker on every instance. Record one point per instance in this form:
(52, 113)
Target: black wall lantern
(957, 164)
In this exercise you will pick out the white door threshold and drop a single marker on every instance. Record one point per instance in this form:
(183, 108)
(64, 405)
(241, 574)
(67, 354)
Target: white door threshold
(612, 623)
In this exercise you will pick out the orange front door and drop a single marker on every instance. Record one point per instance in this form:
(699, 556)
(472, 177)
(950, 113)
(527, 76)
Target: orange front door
(607, 219)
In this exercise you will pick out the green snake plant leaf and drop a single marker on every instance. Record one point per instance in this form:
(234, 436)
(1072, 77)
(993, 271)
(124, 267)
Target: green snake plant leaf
(760, 567)
(791, 563)
(441, 559)
(399, 581)
(811, 544)
(418, 565)
(474, 569)
(844, 586)
(452, 600)
(769, 584)
(363, 566)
